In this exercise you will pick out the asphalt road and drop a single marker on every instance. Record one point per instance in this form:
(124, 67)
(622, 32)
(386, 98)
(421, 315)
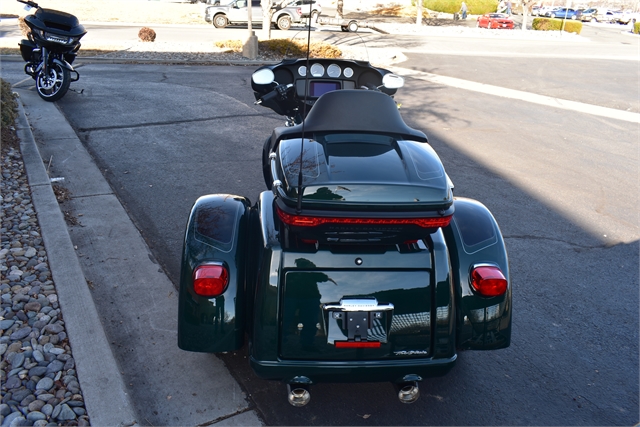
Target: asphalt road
(562, 184)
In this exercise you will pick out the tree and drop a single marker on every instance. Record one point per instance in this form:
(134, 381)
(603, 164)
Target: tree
(526, 5)
(267, 14)
(419, 14)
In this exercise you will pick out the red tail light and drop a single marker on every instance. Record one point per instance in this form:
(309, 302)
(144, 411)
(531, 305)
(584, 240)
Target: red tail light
(314, 221)
(210, 280)
(357, 344)
(488, 280)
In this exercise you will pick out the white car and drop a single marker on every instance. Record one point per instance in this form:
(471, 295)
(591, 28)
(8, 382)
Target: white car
(237, 12)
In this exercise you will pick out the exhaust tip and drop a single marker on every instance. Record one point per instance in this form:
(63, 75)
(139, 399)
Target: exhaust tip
(409, 393)
(298, 396)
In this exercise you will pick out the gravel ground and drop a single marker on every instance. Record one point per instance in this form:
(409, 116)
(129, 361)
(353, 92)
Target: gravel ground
(39, 382)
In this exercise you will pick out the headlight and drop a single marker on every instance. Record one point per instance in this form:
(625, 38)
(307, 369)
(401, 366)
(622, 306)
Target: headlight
(57, 39)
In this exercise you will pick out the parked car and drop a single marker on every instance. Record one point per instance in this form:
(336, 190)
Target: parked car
(494, 20)
(585, 15)
(535, 10)
(606, 15)
(542, 11)
(628, 16)
(562, 13)
(316, 9)
(236, 13)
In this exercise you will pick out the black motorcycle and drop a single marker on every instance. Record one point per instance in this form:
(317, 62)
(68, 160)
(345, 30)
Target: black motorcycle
(52, 45)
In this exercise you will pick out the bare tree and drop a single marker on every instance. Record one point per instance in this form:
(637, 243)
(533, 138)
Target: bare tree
(267, 14)
(526, 5)
(339, 6)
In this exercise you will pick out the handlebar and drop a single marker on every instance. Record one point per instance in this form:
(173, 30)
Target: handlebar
(29, 3)
(279, 91)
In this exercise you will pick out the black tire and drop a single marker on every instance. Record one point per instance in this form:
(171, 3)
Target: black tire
(314, 16)
(284, 22)
(54, 86)
(344, 29)
(220, 21)
(352, 27)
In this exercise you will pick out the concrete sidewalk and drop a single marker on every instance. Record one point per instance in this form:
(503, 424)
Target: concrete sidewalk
(139, 375)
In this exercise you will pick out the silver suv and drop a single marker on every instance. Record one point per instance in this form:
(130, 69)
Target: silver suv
(236, 13)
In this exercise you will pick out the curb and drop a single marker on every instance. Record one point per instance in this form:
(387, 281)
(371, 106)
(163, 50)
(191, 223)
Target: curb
(98, 372)
(95, 60)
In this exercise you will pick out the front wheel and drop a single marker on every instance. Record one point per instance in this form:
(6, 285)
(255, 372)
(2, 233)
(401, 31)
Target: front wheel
(314, 16)
(220, 21)
(53, 85)
(352, 27)
(573, 17)
(284, 23)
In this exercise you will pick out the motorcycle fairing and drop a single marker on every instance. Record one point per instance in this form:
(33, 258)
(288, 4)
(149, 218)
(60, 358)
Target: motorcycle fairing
(57, 22)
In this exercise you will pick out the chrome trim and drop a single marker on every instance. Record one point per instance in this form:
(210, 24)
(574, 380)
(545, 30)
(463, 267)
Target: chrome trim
(361, 304)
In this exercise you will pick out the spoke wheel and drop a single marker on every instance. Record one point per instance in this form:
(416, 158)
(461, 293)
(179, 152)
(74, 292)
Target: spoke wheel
(53, 85)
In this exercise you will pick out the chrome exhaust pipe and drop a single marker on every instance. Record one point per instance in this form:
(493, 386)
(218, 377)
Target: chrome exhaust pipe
(408, 392)
(298, 394)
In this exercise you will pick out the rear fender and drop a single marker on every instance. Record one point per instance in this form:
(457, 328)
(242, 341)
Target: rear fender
(216, 233)
(473, 237)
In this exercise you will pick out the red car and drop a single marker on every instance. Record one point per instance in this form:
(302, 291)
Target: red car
(495, 20)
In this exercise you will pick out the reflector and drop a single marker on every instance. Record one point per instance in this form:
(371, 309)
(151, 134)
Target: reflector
(210, 280)
(357, 344)
(488, 280)
(314, 221)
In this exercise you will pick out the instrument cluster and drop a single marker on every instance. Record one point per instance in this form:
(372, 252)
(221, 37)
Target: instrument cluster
(333, 70)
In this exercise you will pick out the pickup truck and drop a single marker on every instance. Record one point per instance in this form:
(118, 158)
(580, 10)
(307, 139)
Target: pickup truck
(236, 13)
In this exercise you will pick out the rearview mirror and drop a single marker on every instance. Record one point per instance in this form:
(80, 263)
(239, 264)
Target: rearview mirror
(263, 77)
(392, 81)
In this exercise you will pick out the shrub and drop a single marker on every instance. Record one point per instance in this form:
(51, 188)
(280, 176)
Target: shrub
(24, 28)
(287, 48)
(146, 34)
(547, 24)
(9, 105)
(636, 28)
(475, 7)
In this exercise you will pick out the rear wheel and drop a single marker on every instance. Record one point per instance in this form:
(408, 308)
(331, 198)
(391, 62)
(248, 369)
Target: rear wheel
(284, 22)
(344, 29)
(352, 27)
(54, 84)
(314, 16)
(220, 21)
(553, 15)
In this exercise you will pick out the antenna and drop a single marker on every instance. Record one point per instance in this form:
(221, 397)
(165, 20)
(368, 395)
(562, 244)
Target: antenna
(304, 108)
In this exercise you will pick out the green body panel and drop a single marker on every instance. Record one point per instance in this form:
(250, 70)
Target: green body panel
(290, 330)
(216, 232)
(288, 293)
(482, 323)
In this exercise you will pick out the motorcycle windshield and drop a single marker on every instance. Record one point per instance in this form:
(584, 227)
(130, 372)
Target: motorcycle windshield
(363, 168)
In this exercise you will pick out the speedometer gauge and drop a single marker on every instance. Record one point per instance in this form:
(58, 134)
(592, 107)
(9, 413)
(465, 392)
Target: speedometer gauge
(334, 71)
(348, 72)
(317, 70)
(302, 70)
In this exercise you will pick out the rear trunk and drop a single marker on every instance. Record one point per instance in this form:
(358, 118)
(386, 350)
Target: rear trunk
(335, 307)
